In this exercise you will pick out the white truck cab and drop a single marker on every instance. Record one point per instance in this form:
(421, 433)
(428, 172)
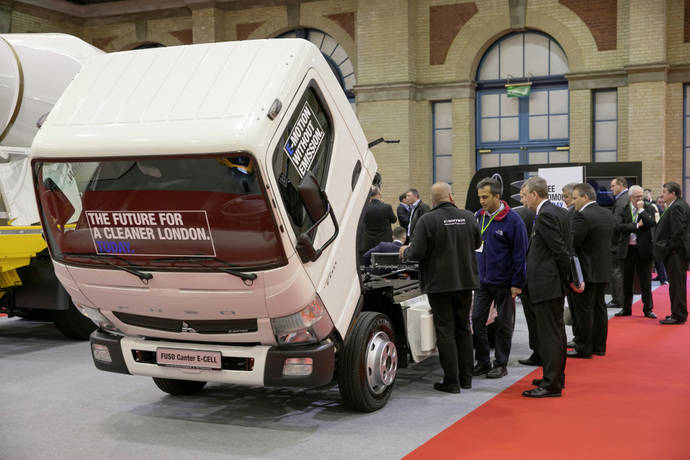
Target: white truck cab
(201, 206)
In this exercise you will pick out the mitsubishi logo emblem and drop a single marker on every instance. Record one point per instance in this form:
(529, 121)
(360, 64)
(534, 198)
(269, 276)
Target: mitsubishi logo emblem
(185, 328)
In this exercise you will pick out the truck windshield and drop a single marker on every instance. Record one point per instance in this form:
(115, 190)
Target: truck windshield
(180, 213)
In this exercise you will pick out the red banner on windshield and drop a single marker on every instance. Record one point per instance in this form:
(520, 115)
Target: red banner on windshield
(151, 233)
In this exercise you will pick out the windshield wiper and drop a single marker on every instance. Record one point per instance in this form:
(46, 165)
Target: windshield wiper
(227, 268)
(103, 258)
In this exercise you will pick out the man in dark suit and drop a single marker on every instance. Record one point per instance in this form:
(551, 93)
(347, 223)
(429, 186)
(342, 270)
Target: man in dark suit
(528, 215)
(376, 223)
(548, 273)
(403, 212)
(619, 188)
(387, 246)
(592, 230)
(634, 224)
(417, 210)
(671, 244)
(444, 244)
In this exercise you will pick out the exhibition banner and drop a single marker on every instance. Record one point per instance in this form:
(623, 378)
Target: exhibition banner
(557, 178)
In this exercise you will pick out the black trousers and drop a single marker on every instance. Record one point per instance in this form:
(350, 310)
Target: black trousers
(616, 281)
(676, 270)
(643, 267)
(505, 322)
(591, 325)
(552, 342)
(451, 312)
(531, 319)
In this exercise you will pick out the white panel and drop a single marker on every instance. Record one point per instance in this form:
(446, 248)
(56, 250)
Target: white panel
(443, 142)
(339, 55)
(605, 135)
(443, 115)
(328, 45)
(316, 37)
(536, 55)
(489, 129)
(509, 105)
(510, 159)
(511, 57)
(489, 160)
(10, 82)
(559, 63)
(605, 105)
(538, 128)
(510, 129)
(560, 156)
(605, 156)
(444, 169)
(489, 70)
(346, 68)
(558, 127)
(558, 101)
(489, 105)
(538, 158)
(687, 103)
(538, 103)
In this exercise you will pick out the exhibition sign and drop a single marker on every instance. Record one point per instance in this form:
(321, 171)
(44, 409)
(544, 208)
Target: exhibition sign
(557, 178)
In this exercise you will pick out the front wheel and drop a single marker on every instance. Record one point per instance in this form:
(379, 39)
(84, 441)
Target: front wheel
(368, 363)
(178, 387)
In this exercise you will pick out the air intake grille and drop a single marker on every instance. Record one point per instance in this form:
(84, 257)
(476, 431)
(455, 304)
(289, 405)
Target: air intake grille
(212, 326)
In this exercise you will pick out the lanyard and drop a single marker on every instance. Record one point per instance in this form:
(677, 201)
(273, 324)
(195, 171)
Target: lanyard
(483, 227)
(632, 214)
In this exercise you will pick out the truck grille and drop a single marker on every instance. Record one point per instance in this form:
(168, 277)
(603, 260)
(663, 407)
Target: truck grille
(206, 326)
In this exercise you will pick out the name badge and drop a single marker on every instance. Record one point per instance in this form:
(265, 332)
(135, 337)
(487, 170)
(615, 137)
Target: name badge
(481, 248)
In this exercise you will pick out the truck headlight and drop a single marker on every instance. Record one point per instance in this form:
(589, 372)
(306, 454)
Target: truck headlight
(95, 315)
(309, 325)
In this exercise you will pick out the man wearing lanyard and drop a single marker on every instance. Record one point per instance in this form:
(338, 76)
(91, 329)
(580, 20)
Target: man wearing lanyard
(417, 210)
(619, 188)
(501, 262)
(634, 224)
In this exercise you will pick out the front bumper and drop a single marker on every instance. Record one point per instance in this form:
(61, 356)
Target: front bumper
(266, 368)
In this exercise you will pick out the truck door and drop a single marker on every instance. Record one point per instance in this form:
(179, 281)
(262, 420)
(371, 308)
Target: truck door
(314, 137)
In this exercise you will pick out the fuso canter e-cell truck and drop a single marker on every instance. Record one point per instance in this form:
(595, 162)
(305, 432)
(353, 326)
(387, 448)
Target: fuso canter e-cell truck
(201, 204)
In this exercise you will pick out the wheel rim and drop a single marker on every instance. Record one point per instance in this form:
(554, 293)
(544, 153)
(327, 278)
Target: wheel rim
(382, 362)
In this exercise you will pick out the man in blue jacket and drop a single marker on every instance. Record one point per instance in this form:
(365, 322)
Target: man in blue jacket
(501, 261)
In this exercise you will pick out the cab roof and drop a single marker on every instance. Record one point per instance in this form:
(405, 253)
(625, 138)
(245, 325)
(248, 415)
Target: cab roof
(185, 99)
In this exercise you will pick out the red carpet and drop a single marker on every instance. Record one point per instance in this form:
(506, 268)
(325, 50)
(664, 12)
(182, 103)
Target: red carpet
(634, 403)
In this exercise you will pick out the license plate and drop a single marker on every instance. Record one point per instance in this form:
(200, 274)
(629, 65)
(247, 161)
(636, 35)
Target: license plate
(195, 359)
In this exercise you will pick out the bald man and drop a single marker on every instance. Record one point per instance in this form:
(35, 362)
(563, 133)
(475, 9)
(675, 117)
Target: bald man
(444, 242)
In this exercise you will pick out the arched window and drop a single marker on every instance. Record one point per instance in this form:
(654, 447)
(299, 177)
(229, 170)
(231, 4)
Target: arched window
(335, 55)
(531, 128)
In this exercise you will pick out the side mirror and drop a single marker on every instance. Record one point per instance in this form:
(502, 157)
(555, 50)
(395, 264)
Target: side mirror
(312, 197)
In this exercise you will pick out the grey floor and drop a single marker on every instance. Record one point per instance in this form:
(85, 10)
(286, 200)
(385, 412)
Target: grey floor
(55, 404)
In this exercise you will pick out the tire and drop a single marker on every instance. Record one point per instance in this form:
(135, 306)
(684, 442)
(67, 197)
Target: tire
(178, 387)
(368, 363)
(72, 323)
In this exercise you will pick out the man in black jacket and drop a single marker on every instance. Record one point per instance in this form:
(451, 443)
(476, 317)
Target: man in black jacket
(619, 188)
(444, 244)
(403, 211)
(548, 273)
(376, 224)
(671, 246)
(592, 230)
(417, 210)
(634, 223)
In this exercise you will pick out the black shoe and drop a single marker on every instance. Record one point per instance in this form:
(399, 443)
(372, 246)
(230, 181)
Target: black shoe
(497, 372)
(672, 320)
(540, 392)
(447, 387)
(481, 369)
(599, 353)
(537, 382)
(577, 354)
(612, 304)
(531, 361)
(650, 314)
(571, 344)
(623, 312)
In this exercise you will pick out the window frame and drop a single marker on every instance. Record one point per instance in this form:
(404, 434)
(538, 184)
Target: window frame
(595, 121)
